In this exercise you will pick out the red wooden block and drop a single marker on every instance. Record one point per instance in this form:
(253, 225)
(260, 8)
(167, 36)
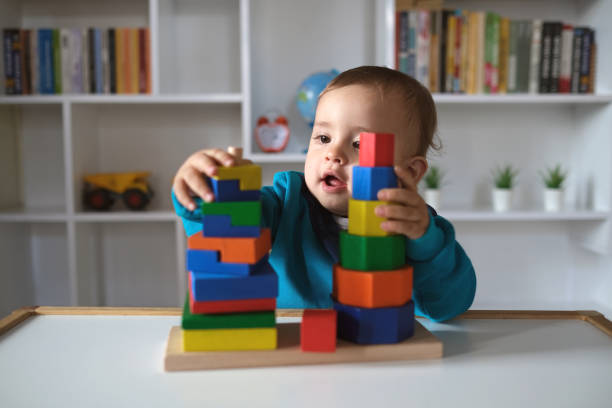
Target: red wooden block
(318, 330)
(375, 149)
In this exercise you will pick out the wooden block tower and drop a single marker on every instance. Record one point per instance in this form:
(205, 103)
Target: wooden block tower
(232, 288)
(372, 285)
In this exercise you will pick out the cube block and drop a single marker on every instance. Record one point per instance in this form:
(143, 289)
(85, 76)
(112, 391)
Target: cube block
(230, 339)
(362, 219)
(240, 212)
(202, 261)
(235, 250)
(318, 330)
(372, 289)
(221, 226)
(376, 149)
(229, 190)
(261, 283)
(249, 176)
(226, 321)
(372, 253)
(375, 326)
(229, 306)
(367, 181)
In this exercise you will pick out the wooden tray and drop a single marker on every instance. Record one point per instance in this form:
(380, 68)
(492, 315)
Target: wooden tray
(423, 345)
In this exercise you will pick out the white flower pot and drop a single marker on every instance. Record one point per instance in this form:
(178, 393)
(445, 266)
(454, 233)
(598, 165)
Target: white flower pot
(432, 197)
(502, 199)
(553, 199)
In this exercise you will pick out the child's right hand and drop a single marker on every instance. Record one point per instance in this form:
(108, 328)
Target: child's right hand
(189, 180)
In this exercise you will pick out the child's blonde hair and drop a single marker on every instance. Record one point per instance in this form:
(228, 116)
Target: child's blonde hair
(419, 104)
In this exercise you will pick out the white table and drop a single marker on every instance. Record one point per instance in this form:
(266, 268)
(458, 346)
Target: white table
(67, 360)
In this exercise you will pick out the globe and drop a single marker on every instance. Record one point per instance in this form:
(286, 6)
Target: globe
(308, 94)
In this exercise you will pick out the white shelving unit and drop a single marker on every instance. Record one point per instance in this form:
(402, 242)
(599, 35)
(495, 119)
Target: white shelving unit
(216, 66)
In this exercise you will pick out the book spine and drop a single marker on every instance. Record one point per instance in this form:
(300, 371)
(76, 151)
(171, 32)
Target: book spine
(534, 63)
(99, 83)
(423, 44)
(147, 47)
(66, 58)
(412, 43)
(585, 61)
(443, 50)
(142, 64)
(57, 62)
(591, 88)
(525, 31)
(9, 76)
(434, 49)
(26, 62)
(457, 52)
(480, 51)
(450, 52)
(45, 57)
(576, 54)
(105, 62)
(555, 61)
(112, 61)
(119, 56)
(512, 81)
(34, 74)
(470, 58)
(127, 62)
(567, 43)
(545, 58)
(85, 59)
(16, 57)
(76, 70)
(135, 63)
(504, 50)
(91, 37)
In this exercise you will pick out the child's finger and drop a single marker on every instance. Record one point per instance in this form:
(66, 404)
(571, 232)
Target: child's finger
(222, 157)
(204, 164)
(399, 195)
(410, 229)
(398, 212)
(408, 182)
(196, 182)
(181, 191)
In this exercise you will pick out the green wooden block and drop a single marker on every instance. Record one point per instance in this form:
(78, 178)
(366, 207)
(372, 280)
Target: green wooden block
(226, 321)
(241, 212)
(372, 253)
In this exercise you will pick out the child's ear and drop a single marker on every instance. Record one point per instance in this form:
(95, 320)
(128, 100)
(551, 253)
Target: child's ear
(417, 166)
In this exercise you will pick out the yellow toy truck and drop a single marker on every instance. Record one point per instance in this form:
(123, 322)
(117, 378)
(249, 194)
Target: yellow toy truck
(101, 190)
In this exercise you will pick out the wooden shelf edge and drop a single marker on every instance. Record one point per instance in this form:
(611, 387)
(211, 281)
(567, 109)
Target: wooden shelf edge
(15, 318)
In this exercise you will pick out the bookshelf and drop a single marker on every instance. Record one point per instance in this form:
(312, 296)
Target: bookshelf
(216, 66)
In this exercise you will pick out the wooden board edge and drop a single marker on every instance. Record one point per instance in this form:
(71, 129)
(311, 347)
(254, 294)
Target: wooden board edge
(109, 311)
(15, 318)
(599, 321)
(522, 314)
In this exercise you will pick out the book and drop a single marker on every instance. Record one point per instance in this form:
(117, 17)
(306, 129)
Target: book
(456, 79)
(463, 73)
(434, 51)
(91, 63)
(9, 75)
(555, 58)
(112, 61)
(85, 61)
(523, 53)
(119, 57)
(492, 53)
(576, 55)
(567, 45)
(591, 87)
(104, 38)
(534, 62)
(450, 52)
(98, 87)
(446, 14)
(545, 57)
(134, 60)
(127, 61)
(422, 46)
(504, 50)
(512, 77)
(45, 61)
(57, 61)
(76, 61)
(34, 69)
(585, 60)
(26, 78)
(142, 63)
(412, 43)
(480, 51)
(66, 59)
(147, 47)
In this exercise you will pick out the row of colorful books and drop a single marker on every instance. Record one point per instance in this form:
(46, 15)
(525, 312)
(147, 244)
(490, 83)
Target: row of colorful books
(77, 61)
(473, 52)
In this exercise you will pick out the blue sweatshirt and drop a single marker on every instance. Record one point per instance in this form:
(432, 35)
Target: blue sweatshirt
(305, 247)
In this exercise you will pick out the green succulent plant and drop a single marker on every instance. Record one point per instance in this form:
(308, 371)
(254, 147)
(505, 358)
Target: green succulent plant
(554, 177)
(505, 177)
(433, 178)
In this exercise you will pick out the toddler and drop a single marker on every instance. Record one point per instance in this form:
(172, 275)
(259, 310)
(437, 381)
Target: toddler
(305, 212)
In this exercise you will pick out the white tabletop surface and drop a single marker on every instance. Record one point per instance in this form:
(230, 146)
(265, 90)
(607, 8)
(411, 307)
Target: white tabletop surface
(116, 361)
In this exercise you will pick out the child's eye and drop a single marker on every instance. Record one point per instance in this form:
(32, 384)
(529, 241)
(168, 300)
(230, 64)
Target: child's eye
(323, 139)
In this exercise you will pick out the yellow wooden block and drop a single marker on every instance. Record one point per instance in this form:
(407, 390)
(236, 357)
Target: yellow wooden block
(229, 339)
(362, 219)
(249, 175)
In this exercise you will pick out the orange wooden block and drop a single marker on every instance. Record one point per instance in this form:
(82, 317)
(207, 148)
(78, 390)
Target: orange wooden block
(237, 250)
(372, 289)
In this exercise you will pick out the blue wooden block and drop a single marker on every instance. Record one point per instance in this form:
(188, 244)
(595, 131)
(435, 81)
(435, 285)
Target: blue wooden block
(383, 325)
(204, 261)
(261, 283)
(221, 226)
(367, 181)
(229, 190)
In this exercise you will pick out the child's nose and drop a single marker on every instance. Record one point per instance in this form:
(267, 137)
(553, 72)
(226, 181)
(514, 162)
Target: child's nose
(335, 155)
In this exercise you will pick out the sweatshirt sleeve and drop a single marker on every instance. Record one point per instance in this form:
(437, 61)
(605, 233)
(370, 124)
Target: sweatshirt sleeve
(444, 282)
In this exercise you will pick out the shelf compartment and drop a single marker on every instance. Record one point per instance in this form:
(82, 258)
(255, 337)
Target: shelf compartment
(199, 46)
(158, 138)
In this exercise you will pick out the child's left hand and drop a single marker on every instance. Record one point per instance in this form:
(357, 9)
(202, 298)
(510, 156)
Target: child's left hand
(408, 214)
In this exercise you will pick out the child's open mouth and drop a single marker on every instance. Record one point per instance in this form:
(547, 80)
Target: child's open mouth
(332, 184)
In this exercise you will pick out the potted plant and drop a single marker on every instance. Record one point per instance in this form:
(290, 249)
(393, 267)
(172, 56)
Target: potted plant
(554, 193)
(433, 181)
(504, 179)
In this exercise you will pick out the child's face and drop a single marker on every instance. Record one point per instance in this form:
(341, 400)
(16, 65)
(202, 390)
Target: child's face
(341, 115)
